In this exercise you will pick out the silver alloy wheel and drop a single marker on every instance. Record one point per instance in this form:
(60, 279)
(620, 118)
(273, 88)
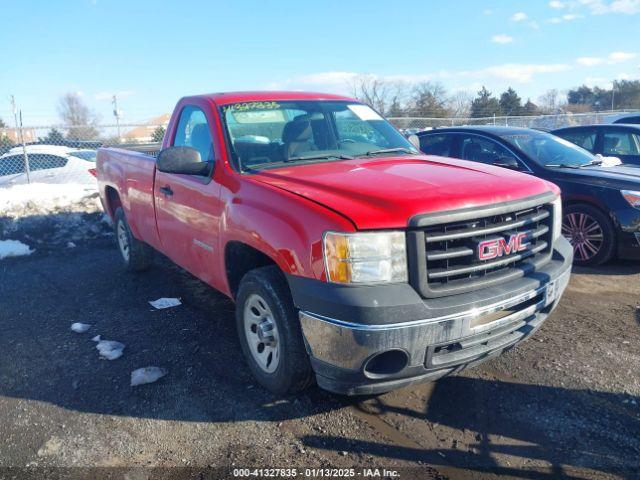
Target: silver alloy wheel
(584, 233)
(123, 241)
(262, 333)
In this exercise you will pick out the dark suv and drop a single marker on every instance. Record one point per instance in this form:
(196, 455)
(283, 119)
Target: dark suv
(601, 204)
(622, 141)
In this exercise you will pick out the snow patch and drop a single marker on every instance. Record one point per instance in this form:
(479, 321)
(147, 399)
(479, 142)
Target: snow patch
(13, 248)
(52, 214)
(42, 199)
(110, 349)
(80, 327)
(145, 375)
(165, 303)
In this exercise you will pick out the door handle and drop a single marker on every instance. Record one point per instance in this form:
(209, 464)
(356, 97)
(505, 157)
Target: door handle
(166, 190)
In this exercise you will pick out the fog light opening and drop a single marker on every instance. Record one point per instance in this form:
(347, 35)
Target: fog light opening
(386, 363)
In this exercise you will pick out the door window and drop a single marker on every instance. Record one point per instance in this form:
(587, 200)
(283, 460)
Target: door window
(621, 143)
(42, 161)
(193, 131)
(483, 150)
(12, 165)
(583, 138)
(436, 144)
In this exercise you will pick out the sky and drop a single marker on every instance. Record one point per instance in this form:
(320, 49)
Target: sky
(152, 52)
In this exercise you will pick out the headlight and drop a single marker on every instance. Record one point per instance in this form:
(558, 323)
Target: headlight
(557, 218)
(367, 257)
(632, 197)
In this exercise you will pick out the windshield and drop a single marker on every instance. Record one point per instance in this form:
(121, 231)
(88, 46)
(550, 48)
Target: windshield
(88, 155)
(273, 133)
(549, 150)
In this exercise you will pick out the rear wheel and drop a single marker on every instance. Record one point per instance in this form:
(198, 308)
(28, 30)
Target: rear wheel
(270, 334)
(590, 233)
(136, 255)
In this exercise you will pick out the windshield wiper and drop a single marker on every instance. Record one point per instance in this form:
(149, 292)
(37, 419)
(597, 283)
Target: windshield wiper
(326, 156)
(561, 165)
(592, 163)
(390, 150)
(333, 156)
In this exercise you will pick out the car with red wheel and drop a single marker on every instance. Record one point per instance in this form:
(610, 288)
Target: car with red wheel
(601, 204)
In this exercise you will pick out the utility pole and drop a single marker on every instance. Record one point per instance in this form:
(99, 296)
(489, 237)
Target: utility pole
(24, 152)
(20, 135)
(15, 111)
(116, 113)
(613, 93)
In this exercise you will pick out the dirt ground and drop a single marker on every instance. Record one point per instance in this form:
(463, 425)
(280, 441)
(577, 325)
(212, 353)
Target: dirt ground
(564, 404)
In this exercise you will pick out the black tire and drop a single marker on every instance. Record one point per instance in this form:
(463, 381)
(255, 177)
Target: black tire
(606, 248)
(293, 372)
(140, 254)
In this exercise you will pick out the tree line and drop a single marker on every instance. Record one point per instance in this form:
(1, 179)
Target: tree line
(431, 99)
(398, 99)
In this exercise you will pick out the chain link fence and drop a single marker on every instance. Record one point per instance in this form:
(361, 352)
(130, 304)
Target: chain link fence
(62, 154)
(544, 122)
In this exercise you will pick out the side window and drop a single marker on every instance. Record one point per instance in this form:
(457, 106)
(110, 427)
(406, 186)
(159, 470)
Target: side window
(436, 144)
(620, 143)
(193, 131)
(41, 161)
(631, 120)
(12, 165)
(478, 149)
(585, 138)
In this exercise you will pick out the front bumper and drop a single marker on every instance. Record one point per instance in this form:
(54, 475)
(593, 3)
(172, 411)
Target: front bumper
(629, 245)
(437, 336)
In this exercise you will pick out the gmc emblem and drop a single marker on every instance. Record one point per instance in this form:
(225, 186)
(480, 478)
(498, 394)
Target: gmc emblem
(499, 247)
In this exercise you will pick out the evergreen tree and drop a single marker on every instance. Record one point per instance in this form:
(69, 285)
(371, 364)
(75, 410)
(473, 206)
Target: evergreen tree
(158, 134)
(530, 108)
(510, 103)
(485, 105)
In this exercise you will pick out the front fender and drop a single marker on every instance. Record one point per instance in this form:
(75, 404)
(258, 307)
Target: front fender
(286, 227)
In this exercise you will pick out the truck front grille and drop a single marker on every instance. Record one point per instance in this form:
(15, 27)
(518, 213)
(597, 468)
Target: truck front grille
(449, 257)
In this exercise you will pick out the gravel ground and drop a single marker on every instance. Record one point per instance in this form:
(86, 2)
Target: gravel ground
(564, 404)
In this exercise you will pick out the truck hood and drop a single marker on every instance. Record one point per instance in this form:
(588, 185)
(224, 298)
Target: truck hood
(387, 192)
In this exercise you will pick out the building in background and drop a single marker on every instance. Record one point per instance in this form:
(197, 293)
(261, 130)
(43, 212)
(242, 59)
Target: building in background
(144, 133)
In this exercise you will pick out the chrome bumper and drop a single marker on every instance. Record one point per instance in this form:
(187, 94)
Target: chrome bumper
(348, 345)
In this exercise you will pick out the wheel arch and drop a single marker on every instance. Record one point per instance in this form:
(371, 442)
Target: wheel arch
(239, 259)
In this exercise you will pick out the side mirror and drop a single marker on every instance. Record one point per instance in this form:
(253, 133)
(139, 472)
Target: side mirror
(507, 162)
(184, 160)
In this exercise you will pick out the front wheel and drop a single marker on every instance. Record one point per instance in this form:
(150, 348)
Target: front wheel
(590, 233)
(270, 334)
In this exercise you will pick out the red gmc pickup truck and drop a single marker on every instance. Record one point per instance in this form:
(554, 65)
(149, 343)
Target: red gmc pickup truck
(351, 257)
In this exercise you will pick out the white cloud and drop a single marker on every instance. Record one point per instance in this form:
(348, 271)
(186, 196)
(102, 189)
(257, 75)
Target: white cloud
(601, 7)
(556, 4)
(460, 80)
(518, 17)
(101, 96)
(612, 59)
(567, 17)
(620, 57)
(502, 38)
(589, 61)
(518, 72)
(597, 82)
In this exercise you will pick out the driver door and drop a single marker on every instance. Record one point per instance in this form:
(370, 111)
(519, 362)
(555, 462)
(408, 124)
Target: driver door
(188, 207)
